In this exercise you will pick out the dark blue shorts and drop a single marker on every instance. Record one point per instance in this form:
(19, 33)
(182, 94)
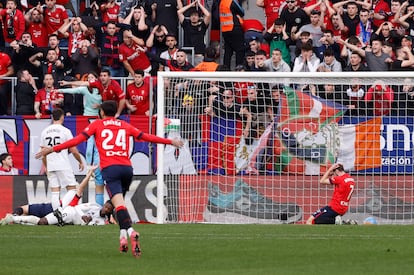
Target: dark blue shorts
(325, 215)
(117, 179)
(40, 209)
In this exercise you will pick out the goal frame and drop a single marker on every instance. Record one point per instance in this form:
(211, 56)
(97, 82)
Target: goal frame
(257, 76)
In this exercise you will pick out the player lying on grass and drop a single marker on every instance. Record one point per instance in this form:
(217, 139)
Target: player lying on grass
(69, 213)
(344, 186)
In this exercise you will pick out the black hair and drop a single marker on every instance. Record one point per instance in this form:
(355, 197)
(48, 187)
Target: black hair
(106, 71)
(140, 72)
(210, 52)
(329, 52)
(307, 47)
(340, 167)
(261, 52)
(57, 113)
(109, 107)
(279, 22)
(4, 156)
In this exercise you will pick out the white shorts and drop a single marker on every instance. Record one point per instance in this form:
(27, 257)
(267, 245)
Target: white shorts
(69, 216)
(61, 178)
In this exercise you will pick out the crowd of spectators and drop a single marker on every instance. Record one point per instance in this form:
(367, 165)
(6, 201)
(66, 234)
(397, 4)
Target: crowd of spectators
(52, 45)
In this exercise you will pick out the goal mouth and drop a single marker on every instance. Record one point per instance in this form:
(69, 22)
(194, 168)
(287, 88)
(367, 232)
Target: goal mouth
(279, 133)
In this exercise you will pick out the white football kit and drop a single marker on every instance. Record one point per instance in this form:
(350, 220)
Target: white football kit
(59, 169)
(73, 215)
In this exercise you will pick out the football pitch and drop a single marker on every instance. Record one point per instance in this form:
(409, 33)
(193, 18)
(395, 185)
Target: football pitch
(209, 249)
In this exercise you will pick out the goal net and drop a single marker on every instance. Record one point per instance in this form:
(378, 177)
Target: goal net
(257, 144)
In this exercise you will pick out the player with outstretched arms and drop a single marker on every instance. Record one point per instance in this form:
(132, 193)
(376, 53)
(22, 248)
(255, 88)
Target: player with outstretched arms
(344, 186)
(113, 143)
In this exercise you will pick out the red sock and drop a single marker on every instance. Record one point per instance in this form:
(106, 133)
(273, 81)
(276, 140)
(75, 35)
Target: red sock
(75, 201)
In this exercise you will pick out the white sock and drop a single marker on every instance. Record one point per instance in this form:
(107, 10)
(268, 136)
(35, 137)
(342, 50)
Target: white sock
(130, 231)
(122, 234)
(55, 200)
(28, 220)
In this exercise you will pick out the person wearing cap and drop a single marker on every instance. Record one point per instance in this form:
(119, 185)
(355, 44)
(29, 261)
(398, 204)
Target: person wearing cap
(314, 28)
(407, 41)
(344, 186)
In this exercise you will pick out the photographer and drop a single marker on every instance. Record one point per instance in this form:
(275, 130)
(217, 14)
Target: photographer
(13, 22)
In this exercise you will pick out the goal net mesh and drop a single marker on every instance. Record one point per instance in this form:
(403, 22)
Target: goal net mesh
(257, 144)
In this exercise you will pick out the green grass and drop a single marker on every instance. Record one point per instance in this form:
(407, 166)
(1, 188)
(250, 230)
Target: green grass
(209, 249)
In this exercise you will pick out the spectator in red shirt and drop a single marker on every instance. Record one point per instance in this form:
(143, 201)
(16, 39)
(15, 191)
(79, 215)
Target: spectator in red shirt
(175, 65)
(381, 11)
(379, 98)
(108, 88)
(110, 11)
(36, 27)
(6, 70)
(138, 95)
(47, 98)
(132, 54)
(54, 16)
(338, 206)
(74, 30)
(272, 9)
(13, 22)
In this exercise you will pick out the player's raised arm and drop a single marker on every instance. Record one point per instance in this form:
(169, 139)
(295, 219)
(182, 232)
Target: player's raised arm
(328, 173)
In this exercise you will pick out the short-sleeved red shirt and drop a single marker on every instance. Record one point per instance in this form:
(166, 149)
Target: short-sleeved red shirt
(5, 63)
(136, 58)
(344, 186)
(45, 99)
(110, 14)
(112, 92)
(139, 96)
(54, 19)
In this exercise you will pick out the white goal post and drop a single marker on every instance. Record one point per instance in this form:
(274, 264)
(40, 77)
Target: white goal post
(263, 164)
